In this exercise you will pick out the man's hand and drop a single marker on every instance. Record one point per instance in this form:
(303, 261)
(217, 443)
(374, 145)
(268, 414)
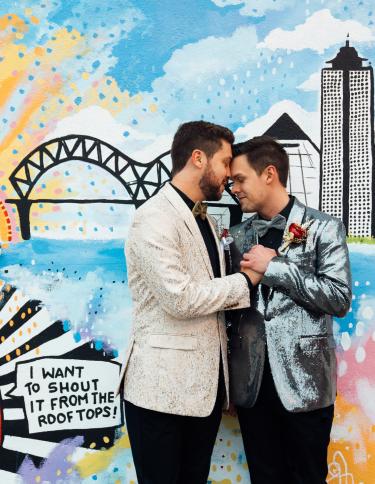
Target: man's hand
(255, 277)
(258, 258)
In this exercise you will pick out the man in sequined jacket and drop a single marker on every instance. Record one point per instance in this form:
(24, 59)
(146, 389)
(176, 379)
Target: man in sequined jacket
(282, 357)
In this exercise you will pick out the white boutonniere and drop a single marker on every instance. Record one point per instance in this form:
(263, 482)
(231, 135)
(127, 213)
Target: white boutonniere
(226, 239)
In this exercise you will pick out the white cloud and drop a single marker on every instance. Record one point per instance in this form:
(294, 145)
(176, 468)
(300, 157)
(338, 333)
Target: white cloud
(254, 8)
(209, 79)
(309, 122)
(212, 55)
(366, 397)
(312, 83)
(140, 145)
(56, 291)
(105, 126)
(320, 31)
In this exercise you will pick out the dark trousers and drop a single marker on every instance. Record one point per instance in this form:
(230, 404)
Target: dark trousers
(283, 447)
(173, 449)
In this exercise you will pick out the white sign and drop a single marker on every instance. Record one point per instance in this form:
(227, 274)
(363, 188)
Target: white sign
(68, 394)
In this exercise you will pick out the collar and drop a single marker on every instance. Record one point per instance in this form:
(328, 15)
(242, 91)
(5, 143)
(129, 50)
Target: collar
(288, 208)
(184, 197)
(285, 212)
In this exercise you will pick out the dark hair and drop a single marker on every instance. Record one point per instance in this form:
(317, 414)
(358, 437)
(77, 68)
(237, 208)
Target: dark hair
(197, 135)
(262, 151)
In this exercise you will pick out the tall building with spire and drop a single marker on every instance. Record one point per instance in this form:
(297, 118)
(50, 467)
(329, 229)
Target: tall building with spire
(347, 171)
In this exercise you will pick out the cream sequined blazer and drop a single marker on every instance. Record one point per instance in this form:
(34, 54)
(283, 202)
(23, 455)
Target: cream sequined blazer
(178, 327)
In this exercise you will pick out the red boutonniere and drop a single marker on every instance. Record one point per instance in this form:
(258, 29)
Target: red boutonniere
(296, 234)
(226, 239)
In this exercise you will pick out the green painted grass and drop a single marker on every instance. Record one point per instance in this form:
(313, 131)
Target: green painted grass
(360, 240)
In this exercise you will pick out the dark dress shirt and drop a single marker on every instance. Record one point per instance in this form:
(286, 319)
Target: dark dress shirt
(208, 236)
(209, 239)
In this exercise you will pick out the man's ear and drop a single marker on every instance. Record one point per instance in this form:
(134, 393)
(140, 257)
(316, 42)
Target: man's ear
(197, 158)
(271, 174)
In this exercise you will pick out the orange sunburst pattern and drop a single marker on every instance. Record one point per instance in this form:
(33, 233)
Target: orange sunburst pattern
(5, 225)
(48, 72)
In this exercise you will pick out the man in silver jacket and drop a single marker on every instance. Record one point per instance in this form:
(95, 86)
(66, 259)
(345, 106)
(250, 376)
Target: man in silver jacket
(282, 349)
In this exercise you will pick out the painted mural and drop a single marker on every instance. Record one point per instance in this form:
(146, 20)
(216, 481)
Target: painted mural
(91, 93)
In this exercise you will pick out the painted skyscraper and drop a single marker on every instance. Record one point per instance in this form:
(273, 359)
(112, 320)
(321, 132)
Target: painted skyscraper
(347, 142)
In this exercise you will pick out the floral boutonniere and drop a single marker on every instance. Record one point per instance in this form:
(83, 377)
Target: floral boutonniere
(226, 239)
(297, 234)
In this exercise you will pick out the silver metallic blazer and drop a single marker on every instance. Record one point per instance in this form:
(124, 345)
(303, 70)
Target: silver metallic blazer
(307, 284)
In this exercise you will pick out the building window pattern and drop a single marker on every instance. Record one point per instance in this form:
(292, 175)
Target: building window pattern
(303, 179)
(360, 153)
(332, 142)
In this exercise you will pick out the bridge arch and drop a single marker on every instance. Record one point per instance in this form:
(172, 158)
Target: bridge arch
(141, 180)
(128, 172)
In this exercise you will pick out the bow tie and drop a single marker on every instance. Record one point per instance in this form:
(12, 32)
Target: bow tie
(200, 209)
(262, 226)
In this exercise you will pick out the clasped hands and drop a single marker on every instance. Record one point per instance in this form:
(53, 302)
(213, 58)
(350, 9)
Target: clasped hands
(255, 262)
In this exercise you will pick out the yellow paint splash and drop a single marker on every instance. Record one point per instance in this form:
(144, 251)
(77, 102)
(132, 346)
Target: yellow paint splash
(224, 481)
(353, 456)
(99, 461)
(48, 97)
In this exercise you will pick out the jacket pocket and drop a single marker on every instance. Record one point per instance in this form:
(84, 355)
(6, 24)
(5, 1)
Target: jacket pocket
(316, 343)
(173, 341)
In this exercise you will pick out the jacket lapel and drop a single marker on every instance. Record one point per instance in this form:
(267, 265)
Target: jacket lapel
(219, 246)
(246, 237)
(190, 222)
(296, 216)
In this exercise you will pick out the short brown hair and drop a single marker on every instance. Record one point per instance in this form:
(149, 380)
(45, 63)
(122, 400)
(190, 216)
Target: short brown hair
(262, 151)
(197, 135)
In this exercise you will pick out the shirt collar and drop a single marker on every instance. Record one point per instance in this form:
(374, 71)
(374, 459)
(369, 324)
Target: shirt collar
(288, 208)
(184, 197)
(285, 212)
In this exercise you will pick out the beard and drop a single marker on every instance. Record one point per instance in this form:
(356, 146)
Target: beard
(210, 185)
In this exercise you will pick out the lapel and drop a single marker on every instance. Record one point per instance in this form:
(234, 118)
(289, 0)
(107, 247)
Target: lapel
(249, 236)
(296, 216)
(189, 220)
(219, 246)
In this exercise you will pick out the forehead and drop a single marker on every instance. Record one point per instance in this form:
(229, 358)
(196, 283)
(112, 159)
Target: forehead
(241, 165)
(225, 150)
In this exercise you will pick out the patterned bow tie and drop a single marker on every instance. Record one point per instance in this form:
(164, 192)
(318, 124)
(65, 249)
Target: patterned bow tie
(200, 209)
(263, 226)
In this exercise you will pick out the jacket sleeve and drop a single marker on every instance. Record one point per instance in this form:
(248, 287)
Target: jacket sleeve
(328, 288)
(154, 249)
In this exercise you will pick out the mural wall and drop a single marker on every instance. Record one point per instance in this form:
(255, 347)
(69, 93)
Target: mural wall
(90, 96)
